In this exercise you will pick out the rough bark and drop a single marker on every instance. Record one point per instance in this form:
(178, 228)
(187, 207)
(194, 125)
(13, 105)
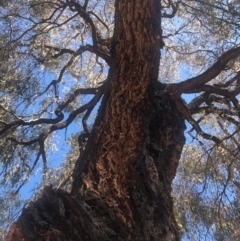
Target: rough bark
(122, 182)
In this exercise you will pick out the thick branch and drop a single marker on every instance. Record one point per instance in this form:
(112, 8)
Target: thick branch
(21, 122)
(61, 125)
(58, 112)
(219, 91)
(80, 91)
(195, 82)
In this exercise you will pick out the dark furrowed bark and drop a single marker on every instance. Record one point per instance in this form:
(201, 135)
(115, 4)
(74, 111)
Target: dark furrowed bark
(122, 182)
(122, 127)
(144, 212)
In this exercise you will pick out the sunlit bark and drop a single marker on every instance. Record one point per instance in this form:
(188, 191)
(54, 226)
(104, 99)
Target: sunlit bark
(122, 183)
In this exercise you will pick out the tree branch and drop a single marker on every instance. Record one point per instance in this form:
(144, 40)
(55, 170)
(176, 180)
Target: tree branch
(186, 114)
(61, 125)
(21, 122)
(174, 10)
(78, 52)
(58, 112)
(99, 19)
(76, 7)
(195, 82)
(85, 118)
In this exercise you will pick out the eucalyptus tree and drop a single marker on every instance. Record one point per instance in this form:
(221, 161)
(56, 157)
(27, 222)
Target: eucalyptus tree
(134, 61)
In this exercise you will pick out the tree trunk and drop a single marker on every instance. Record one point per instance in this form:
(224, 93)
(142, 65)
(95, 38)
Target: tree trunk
(122, 182)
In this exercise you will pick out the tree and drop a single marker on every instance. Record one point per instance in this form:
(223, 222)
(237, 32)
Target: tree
(122, 181)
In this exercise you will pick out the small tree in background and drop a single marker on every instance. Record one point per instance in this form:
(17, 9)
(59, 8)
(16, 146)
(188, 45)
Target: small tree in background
(132, 62)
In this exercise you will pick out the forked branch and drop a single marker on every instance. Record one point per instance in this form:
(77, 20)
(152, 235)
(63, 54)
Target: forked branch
(211, 73)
